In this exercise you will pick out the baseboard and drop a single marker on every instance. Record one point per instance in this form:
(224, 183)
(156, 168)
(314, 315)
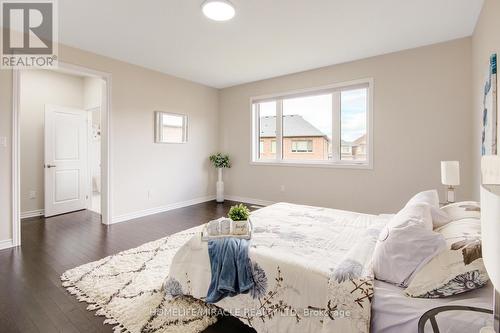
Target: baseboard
(249, 200)
(32, 213)
(161, 209)
(5, 244)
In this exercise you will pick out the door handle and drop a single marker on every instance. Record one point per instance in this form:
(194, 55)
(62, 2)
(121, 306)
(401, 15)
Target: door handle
(48, 166)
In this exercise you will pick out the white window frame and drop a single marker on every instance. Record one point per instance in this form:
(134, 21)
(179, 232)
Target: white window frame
(336, 162)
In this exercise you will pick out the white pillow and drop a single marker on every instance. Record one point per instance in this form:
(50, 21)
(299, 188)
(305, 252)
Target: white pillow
(405, 244)
(459, 268)
(431, 198)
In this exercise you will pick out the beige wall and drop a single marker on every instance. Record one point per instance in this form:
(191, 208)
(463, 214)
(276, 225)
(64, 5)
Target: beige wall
(92, 93)
(422, 112)
(485, 41)
(39, 87)
(171, 173)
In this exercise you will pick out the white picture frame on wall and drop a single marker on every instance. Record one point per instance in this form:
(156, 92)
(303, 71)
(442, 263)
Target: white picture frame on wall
(170, 127)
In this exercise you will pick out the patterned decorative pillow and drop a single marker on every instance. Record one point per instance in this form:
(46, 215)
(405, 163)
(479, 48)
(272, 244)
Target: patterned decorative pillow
(462, 210)
(459, 268)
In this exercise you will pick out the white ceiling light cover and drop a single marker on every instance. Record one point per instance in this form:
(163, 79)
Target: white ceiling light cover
(218, 10)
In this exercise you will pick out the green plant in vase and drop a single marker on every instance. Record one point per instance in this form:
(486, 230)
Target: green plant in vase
(220, 161)
(239, 214)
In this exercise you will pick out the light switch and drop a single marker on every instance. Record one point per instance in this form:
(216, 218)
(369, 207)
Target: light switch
(3, 141)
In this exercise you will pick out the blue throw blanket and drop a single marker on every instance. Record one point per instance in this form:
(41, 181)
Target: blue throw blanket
(231, 268)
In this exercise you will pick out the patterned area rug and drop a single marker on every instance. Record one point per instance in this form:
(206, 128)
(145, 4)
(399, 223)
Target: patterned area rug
(126, 289)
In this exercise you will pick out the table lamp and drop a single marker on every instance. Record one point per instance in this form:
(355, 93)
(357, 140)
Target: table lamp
(450, 175)
(490, 229)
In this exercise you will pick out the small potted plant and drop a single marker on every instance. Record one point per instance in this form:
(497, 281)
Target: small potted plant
(220, 161)
(239, 214)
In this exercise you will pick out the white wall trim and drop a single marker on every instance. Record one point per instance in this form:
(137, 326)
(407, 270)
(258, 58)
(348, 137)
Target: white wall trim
(5, 244)
(16, 179)
(161, 209)
(32, 213)
(172, 206)
(106, 135)
(252, 201)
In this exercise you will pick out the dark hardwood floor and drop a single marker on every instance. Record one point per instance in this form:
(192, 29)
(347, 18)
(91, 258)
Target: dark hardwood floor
(31, 296)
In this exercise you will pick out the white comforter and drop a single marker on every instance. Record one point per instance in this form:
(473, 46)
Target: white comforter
(312, 268)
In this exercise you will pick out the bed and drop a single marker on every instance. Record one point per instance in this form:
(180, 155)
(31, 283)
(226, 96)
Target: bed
(315, 281)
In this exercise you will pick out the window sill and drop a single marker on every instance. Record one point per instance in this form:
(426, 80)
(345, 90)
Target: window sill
(311, 164)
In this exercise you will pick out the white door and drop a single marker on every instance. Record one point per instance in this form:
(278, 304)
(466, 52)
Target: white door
(65, 160)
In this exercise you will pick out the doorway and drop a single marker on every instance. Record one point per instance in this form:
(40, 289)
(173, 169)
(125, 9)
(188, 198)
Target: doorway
(61, 143)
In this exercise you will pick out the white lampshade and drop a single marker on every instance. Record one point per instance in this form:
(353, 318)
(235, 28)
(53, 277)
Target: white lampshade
(450, 173)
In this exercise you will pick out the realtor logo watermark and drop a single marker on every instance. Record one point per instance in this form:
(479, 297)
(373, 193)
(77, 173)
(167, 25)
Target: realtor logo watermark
(29, 38)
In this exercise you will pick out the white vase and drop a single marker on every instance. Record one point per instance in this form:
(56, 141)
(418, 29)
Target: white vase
(219, 187)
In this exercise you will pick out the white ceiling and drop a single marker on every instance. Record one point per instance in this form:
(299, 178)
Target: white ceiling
(267, 38)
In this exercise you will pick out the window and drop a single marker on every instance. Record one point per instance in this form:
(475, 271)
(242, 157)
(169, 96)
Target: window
(302, 146)
(327, 126)
(353, 106)
(307, 119)
(267, 128)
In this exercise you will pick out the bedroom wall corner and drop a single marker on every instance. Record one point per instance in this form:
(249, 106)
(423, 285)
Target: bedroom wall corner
(149, 176)
(422, 112)
(485, 41)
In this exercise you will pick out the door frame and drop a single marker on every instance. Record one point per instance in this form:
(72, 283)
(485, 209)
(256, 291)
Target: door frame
(89, 179)
(106, 144)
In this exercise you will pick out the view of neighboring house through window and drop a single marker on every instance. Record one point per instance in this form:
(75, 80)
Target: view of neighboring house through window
(327, 126)
(353, 105)
(267, 128)
(307, 127)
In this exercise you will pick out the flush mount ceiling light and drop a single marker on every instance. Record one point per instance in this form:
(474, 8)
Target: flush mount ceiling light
(218, 10)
